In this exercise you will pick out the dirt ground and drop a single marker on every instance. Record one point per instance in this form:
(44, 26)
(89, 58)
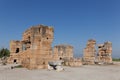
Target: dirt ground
(85, 72)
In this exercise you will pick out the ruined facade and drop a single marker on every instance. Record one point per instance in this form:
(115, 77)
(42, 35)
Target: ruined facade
(89, 52)
(73, 62)
(34, 50)
(105, 52)
(63, 52)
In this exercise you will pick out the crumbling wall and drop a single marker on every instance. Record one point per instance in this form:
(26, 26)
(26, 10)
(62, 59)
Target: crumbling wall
(89, 52)
(105, 52)
(41, 50)
(73, 62)
(63, 52)
(15, 49)
(34, 50)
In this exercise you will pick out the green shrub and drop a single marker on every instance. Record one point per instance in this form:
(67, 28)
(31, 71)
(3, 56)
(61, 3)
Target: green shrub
(4, 53)
(116, 59)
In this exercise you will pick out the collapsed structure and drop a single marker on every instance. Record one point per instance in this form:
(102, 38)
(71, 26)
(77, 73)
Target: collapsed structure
(105, 52)
(34, 51)
(65, 53)
(103, 56)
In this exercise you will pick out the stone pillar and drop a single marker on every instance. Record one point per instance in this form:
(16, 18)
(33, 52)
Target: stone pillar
(90, 52)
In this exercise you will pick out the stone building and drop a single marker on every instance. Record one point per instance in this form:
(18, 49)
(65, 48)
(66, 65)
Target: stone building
(34, 50)
(105, 52)
(90, 52)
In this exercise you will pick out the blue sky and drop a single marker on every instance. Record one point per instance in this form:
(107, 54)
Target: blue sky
(74, 21)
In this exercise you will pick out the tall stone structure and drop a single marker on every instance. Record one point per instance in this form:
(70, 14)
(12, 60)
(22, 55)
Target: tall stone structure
(34, 50)
(89, 52)
(15, 49)
(105, 52)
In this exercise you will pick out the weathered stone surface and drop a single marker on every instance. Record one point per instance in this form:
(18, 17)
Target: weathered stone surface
(63, 52)
(104, 52)
(89, 52)
(34, 51)
(74, 62)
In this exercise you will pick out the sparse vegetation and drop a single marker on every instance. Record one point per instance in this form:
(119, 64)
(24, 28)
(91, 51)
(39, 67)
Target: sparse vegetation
(4, 53)
(116, 59)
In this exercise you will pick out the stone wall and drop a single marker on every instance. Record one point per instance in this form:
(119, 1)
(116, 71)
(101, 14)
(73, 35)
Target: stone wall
(73, 62)
(34, 50)
(15, 49)
(63, 52)
(103, 56)
(89, 52)
(105, 52)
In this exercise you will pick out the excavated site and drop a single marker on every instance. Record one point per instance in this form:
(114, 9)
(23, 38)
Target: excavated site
(34, 51)
(40, 61)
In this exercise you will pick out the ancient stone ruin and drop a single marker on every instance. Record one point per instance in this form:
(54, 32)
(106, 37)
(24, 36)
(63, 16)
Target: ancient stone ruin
(103, 56)
(34, 51)
(89, 52)
(105, 52)
(65, 53)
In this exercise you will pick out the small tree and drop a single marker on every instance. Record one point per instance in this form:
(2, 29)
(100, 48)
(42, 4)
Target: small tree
(4, 53)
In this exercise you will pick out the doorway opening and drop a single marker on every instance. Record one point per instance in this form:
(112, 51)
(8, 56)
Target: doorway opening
(15, 61)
